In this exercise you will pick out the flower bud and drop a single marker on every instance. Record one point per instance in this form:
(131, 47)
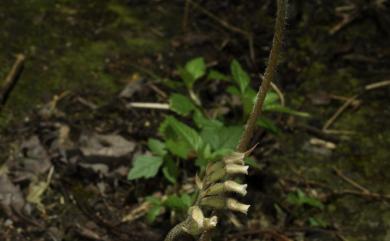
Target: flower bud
(195, 221)
(235, 158)
(236, 169)
(234, 205)
(216, 175)
(214, 167)
(214, 202)
(232, 186)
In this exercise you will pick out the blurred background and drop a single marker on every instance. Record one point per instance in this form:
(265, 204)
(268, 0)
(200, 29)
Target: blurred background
(322, 167)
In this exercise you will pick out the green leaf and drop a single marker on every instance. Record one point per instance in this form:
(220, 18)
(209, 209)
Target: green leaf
(317, 222)
(181, 104)
(300, 198)
(170, 170)
(178, 148)
(283, 109)
(202, 121)
(155, 210)
(222, 137)
(145, 167)
(270, 98)
(268, 125)
(248, 100)
(175, 202)
(186, 77)
(157, 147)
(216, 75)
(172, 128)
(239, 75)
(196, 67)
(233, 90)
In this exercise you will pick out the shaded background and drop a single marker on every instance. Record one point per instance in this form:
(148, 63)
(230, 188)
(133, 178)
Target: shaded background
(95, 49)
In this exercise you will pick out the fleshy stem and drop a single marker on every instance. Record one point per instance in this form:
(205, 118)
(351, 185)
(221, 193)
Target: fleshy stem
(246, 137)
(269, 75)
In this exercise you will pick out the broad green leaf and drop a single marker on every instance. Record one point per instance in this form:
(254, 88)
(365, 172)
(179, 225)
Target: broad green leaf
(145, 167)
(155, 209)
(153, 212)
(222, 137)
(181, 104)
(239, 75)
(177, 203)
(196, 67)
(178, 148)
(299, 198)
(233, 90)
(170, 170)
(186, 77)
(248, 100)
(317, 222)
(202, 121)
(283, 109)
(157, 147)
(172, 128)
(268, 125)
(216, 75)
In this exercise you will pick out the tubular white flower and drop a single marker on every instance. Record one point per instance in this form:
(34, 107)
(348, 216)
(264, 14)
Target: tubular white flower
(232, 186)
(234, 205)
(236, 169)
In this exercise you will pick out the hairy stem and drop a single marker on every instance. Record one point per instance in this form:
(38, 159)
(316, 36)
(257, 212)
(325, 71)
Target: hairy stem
(269, 75)
(176, 232)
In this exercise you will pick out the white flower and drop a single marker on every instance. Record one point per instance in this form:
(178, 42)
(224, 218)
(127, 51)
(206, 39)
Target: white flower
(236, 169)
(234, 205)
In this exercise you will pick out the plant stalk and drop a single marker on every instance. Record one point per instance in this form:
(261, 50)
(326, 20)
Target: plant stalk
(246, 137)
(269, 76)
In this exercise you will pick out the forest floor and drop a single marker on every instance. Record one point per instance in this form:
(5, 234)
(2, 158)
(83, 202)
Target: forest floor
(69, 131)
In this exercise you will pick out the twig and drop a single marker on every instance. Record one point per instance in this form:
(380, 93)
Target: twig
(350, 181)
(279, 92)
(352, 99)
(11, 79)
(339, 112)
(146, 105)
(377, 85)
(186, 14)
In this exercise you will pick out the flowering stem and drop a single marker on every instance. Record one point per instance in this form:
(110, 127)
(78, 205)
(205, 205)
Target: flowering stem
(268, 77)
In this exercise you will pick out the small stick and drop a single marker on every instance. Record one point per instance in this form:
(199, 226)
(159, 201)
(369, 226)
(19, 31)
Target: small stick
(279, 92)
(377, 85)
(351, 100)
(350, 181)
(339, 112)
(11, 79)
(146, 105)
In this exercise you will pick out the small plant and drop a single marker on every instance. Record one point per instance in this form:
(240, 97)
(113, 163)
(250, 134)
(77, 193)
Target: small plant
(219, 150)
